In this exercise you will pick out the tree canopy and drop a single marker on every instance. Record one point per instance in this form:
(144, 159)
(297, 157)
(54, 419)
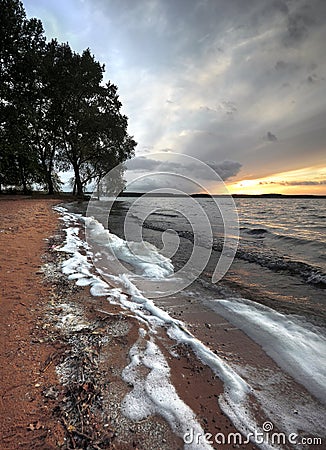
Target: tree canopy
(56, 112)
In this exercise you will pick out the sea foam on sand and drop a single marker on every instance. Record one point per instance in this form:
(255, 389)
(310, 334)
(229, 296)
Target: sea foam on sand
(299, 350)
(235, 399)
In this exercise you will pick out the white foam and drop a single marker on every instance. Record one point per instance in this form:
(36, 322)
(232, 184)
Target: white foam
(78, 267)
(154, 394)
(100, 289)
(142, 256)
(78, 263)
(72, 240)
(297, 347)
(234, 400)
(70, 318)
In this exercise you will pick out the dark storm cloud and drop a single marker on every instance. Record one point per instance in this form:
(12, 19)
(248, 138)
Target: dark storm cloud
(287, 67)
(313, 78)
(280, 65)
(295, 183)
(224, 169)
(303, 183)
(280, 6)
(297, 27)
(142, 163)
(306, 16)
(270, 137)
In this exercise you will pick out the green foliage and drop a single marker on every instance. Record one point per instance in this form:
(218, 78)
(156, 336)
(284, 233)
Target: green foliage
(55, 111)
(21, 41)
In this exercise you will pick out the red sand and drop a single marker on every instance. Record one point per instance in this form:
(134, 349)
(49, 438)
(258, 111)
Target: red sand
(25, 420)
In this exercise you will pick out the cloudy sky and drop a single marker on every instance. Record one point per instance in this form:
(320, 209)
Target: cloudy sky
(238, 83)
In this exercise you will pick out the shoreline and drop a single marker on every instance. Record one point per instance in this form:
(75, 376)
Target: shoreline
(81, 337)
(35, 405)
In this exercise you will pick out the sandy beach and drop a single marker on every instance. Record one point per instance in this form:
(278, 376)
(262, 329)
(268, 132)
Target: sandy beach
(32, 399)
(25, 417)
(63, 352)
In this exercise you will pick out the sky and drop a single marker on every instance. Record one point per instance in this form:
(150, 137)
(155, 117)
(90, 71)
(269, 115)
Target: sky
(240, 84)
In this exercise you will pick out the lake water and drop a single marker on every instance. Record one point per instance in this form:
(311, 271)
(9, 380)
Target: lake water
(280, 258)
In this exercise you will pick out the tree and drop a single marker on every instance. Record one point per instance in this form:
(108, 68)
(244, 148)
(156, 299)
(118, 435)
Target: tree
(55, 111)
(21, 46)
(47, 122)
(111, 143)
(94, 132)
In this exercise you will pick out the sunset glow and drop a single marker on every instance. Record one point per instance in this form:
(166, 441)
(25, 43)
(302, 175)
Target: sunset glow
(310, 180)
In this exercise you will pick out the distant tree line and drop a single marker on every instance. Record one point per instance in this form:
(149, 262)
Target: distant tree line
(56, 114)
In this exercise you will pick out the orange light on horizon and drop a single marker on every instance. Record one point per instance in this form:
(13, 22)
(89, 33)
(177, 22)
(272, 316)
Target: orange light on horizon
(310, 180)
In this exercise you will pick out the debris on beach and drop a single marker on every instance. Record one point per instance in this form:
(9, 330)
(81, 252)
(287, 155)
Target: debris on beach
(89, 363)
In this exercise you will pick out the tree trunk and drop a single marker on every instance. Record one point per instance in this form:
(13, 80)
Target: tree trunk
(25, 190)
(78, 183)
(50, 182)
(23, 180)
(49, 172)
(98, 193)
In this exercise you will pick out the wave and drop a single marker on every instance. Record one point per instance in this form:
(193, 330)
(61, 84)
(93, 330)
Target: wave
(297, 348)
(318, 216)
(257, 231)
(297, 240)
(165, 214)
(307, 272)
(263, 232)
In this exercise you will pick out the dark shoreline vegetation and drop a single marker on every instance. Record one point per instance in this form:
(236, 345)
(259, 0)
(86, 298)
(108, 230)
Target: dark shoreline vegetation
(56, 112)
(87, 195)
(139, 194)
